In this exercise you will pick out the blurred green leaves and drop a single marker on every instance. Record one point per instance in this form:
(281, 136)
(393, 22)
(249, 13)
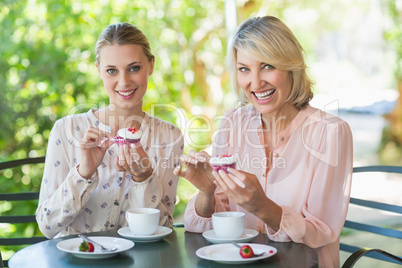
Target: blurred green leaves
(47, 71)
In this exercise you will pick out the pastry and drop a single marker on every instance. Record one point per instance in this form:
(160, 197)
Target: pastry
(128, 136)
(222, 162)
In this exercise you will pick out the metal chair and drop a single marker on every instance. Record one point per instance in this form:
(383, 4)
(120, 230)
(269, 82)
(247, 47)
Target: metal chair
(17, 219)
(375, 253)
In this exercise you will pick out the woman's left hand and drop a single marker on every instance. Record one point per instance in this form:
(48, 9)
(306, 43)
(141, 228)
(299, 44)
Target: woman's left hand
(134, 161)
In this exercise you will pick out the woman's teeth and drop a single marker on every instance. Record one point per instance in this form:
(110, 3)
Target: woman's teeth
(126, 93)
(264, 95)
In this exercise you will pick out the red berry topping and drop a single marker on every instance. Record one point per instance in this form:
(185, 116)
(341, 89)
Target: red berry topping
(133, 130)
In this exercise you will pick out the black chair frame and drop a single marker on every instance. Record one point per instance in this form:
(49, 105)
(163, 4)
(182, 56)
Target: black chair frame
(24, 196)
(375, 253)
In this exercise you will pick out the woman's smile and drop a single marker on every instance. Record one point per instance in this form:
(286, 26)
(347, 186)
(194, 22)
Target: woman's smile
(126, 94)
(264, 95)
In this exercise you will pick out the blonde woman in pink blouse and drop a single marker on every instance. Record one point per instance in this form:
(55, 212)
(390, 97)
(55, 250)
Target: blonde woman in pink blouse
(89, 182)
(294, 162)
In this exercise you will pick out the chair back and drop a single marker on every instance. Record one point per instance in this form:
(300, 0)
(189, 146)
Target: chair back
(19, 221)
(373, 217)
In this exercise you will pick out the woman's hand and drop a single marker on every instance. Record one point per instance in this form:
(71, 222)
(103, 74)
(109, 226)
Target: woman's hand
(93, 149)
(134, 161)
(197, 171)
(245, 190)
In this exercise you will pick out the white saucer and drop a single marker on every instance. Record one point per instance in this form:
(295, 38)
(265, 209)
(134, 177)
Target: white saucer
(229, 254)
(160, 233)
(247, 236)
(72, 245)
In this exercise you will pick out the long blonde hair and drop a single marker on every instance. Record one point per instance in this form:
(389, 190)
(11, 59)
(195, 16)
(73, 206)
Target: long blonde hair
(123, 33)
(269, 40)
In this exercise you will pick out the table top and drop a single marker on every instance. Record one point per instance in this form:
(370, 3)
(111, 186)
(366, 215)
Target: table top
(175, 250)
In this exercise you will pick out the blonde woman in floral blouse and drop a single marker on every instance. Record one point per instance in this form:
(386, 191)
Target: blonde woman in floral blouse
(89, 182)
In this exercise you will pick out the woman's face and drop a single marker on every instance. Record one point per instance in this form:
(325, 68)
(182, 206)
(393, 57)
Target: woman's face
(266, 88)
(125, 70)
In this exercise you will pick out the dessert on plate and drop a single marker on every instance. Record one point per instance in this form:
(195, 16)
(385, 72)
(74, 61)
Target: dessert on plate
(223, 162)
(128, 136)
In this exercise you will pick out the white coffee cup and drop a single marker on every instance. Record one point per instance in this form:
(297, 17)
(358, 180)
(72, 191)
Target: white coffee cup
(228, 225)
(143, 221)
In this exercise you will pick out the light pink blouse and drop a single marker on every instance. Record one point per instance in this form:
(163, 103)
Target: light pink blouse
(70, 204)
(310, 177)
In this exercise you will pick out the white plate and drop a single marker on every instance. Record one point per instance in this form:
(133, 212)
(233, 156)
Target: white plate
(247, 236)
(160, 233)
(72, 245)
(230, 254)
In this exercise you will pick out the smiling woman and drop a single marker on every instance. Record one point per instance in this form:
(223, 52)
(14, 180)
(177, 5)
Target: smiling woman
(296, 184)
(124, 70)
(89, 181)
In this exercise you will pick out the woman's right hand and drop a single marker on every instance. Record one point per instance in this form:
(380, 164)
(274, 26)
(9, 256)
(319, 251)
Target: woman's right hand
(198, 171)
(93, 149)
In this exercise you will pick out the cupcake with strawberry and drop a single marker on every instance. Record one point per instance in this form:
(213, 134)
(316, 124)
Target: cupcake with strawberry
(223, 162)
(128, 136)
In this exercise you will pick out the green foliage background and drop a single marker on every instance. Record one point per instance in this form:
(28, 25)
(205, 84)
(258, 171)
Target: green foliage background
(47, 71)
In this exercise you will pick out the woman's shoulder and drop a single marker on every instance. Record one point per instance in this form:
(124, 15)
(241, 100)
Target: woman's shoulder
(318, 120)
(248, 111)
(162, 125)
(72, 124)
(73, 119)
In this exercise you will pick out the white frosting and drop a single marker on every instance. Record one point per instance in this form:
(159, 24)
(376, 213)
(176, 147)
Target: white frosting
(215, 161)
(126, 134)
(219, 161)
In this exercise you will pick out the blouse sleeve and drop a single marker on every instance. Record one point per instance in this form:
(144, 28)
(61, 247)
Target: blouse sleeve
(63, 191)
(323, 215)
(159, 190)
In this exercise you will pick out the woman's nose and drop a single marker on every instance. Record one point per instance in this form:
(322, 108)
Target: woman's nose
(256, 81)
(124, 79)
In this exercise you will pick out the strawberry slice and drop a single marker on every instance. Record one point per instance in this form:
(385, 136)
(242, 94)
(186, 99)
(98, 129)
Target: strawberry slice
(91, 247)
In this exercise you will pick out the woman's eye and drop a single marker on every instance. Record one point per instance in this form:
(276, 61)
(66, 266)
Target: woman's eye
(268, 66)
(111, 71)
(135, 68)
(243, 69)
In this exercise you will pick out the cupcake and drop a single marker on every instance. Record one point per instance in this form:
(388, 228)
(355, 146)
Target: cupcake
(223, 162)
(128, 136)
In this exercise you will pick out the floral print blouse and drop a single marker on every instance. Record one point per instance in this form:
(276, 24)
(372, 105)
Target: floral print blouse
(70, 204)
